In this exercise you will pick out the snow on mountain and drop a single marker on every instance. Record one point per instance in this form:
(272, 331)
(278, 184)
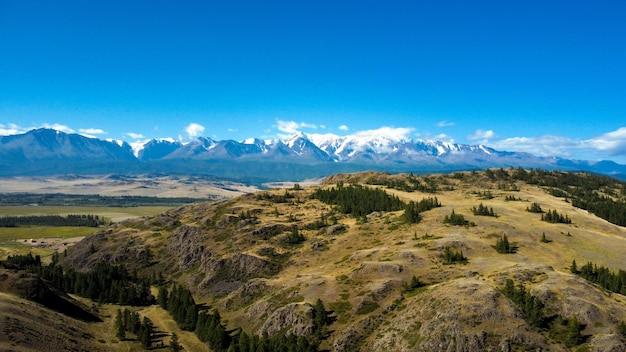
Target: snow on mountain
(47, 150)
(154, 149)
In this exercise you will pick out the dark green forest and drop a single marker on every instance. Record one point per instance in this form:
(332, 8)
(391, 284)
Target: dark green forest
(58, 199)
(602, 196)
(602, 276)
(52, 220)
(358, 200)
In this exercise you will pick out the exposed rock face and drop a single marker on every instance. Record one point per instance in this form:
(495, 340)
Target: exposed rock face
(187, 243)
(238, 268)
(269, 231)
(334, 230)
(293, 318)
(455, 316)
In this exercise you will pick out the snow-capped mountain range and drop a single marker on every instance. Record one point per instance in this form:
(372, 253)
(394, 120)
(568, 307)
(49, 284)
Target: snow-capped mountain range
(319, 147)
(47, 151)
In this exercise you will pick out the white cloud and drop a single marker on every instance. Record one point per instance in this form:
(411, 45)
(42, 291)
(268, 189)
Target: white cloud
(610, 145)
(59, 127)
(395, 133)
(194, 130)
(10, 129)
(442, 137)
(613, 143)
(292, 127)
(483, 135)
(343, 128)
(445, 124)
(547, 145)
(134, 135)
(91, 131)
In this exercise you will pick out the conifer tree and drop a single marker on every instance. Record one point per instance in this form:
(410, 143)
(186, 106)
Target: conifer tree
(162, 297)
(174, 344)
(573, 337)
(120, 326)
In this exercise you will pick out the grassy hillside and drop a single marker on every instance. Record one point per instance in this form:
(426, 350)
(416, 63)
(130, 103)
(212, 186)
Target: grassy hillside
(258, 257)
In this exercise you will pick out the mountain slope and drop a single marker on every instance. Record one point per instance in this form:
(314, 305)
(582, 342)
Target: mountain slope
(237, 256)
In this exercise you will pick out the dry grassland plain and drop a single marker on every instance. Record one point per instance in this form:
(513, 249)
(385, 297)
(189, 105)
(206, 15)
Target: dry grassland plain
(45, 240)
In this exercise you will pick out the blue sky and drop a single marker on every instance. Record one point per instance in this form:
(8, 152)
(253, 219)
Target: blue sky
(547, 77)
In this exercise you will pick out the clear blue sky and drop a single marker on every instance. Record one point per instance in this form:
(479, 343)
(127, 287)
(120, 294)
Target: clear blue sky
(548, 77)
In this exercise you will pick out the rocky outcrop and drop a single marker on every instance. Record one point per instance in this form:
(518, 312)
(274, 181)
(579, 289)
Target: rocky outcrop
(464, 315)
(268, 231)
(294, 318)
(188, 245)
(236, 269)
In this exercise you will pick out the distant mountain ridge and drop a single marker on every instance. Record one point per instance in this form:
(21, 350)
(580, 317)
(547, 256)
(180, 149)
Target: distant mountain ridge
(48, 151)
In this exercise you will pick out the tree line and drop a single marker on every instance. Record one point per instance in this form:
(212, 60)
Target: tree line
(358, 200)
(566, 331)
(410, 184)
(602, 196)
(413, 209)
(456, 219)
(52, 220)
(554, 217)
(210, 329)
(482, 210)
(105, 283)
(59, 199)
(602, 276)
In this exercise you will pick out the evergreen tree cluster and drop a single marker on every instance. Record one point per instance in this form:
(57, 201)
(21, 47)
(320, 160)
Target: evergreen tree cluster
(105, 283)
(534, 208)
(411, 183)
(600, 195)
(108, 283)
(412, 285)
(181, 306)
(130, 322)
(554, 217)
(531, 307)
(504, 246)
(294, 237)
(512, 198)
(602, 276)
(210, 329)
(276, 198)
(52, 220)
(483, 211)
(456, 219)
(22, 261)
(452, 256)
(413, 209)
(566, 331)
(358, 200)
(485, 195)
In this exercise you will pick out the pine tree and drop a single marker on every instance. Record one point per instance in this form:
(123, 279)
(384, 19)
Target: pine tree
(574, 268)
(162, 297)
(120, 326)
(503, 245)
(573, 336)
(174, 344)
